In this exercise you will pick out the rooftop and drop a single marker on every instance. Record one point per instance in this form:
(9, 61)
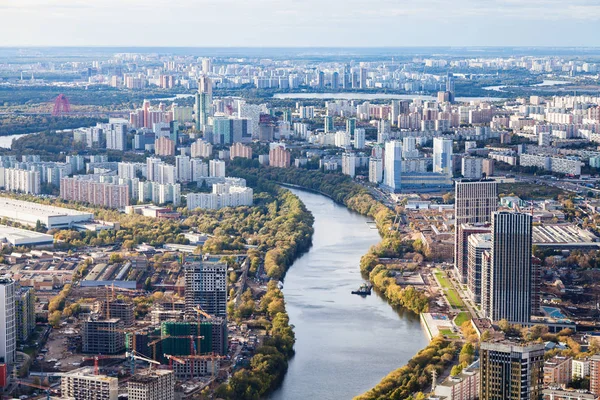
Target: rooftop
(36, 208)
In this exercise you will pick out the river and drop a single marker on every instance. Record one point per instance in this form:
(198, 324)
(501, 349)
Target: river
(6, 141)
(345, 343)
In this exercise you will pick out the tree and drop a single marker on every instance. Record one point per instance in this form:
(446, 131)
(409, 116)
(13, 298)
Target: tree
(115, 258)
(54, 319)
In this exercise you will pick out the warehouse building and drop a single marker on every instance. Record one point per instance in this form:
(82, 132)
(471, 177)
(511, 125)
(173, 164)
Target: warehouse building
(29, 213)
(23, 237)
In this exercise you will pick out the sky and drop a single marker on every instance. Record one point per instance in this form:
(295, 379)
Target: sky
(299, 23)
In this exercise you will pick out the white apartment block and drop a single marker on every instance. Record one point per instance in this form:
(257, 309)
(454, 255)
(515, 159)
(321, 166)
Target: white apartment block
(472, 167)
(223, 195)
(201, 149)
(349, 164)
(555, 164)
(216, 168)
(159, 193)
(20, 180)
(82, 384)
(375, 170)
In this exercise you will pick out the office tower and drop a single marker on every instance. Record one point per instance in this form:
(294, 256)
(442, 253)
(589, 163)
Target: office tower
(206, 287)
(320, 79)
(8, 328)
(477, 245)
(509, 277)
(472, 167)
(231, 130)
(216, 168)
(450, 86)
(335, 80)
(474, 203)
(384, 130)
(350, 126)
(511, 371)
(328, 124)
(279, 157)
(359, 138)
(203, 106)
(349, 164)
(152, 385)
(595, 374)
(83, 384)
(375, 170)
(442, 156)
(392, 171)
(363, 77)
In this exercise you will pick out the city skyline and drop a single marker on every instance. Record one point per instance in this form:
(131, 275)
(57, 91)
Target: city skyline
(268, 23)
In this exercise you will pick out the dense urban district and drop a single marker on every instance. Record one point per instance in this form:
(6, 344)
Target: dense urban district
(146, 221)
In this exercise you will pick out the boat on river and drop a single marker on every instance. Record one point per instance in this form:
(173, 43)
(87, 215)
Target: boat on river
(363, 290)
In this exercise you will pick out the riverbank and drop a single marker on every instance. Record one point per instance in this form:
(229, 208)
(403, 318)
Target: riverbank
(344, 190)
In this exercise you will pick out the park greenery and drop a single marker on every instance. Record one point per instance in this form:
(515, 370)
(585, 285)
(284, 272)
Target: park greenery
(269, 364)
(415, 376)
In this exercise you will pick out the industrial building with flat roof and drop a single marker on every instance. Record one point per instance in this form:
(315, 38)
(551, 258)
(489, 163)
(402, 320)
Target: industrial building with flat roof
(23, 237)
(29, 213)
(564, 236)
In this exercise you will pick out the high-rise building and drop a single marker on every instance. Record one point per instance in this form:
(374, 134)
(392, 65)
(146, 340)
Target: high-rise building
(203, 106)
(349, 164)
(442, 156)
(511, 371)
(595, 374)
(216, 168)
(163, 146)
(509, 277)
(24, 312)
(183, 169)
(240, 150)
(103, 336)
(474, 203)
(280, 157)
(363, 77)
(359, 138)
(328, 124)
(206, 287)
(231, 130)
(472, 167)
(392, 172)
(201, 149)
(8, 325)
(375, 170)
(350, 126)
(477, 245)
(152, 385)
(83, 384)
(384, 130)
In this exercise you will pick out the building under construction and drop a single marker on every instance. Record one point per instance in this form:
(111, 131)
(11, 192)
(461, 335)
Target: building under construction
(152, 385)
(117, 308)
(206, 287)
(85, 385)
(103, 336)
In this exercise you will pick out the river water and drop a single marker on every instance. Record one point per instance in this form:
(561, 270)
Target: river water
(6, 141)
(345, 343)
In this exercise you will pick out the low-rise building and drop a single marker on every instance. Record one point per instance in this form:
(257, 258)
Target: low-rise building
(557, 371)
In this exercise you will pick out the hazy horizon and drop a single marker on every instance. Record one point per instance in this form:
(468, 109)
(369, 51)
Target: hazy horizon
(310, 23)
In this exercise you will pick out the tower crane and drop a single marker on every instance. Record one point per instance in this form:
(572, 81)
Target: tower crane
(47, 389)
(133, 355)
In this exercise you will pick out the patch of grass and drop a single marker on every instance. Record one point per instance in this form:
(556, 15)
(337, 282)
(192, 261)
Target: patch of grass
(451, 294)
(461, 318)
(529, 191)
(449, 333)
(443, 280)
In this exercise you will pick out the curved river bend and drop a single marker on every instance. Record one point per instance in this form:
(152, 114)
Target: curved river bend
(345, 343)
